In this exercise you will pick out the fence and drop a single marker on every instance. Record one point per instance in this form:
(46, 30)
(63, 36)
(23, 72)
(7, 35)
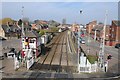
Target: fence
(86, 66)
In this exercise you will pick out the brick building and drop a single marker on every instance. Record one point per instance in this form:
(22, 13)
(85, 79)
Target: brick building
(75, 27)
(112, 33)
(115, 32)
(98, 29)
(90, 26)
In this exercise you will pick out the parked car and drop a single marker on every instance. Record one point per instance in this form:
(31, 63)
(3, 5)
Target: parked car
(83, 41)
(117, 45)
(1, 57)
(11, 53)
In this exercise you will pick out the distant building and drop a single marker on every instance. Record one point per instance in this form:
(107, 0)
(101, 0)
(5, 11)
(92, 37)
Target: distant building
(112, 33)
(11, 31)
(90, 26)
(75, 27)
(2, 32)
(64, 21)
(98, 30)
(115, 32)
(36, 26)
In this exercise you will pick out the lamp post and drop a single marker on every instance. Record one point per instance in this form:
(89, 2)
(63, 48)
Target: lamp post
(88, 41)
(79, 45)
(95, 35)
(23, 34)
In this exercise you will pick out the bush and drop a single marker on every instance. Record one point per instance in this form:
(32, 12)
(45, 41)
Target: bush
(54, 29)
(42, 32)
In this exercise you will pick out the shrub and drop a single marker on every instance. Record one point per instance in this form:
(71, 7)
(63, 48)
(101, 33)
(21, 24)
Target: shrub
(54, 29)
(42, 32)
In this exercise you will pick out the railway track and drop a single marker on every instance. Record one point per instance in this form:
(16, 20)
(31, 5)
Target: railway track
(57, 58)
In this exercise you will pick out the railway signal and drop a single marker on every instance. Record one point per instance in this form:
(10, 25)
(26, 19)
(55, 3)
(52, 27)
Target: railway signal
(101, 58)
(109, 57)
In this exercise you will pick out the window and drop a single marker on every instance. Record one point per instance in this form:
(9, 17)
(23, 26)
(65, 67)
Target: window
(26, 40)
(29, 29)
(31, 41)
(113, 29)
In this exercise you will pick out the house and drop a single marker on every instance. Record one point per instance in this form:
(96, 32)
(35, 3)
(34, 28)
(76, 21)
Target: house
(40, 24)
(75, 27)
(2, 33)
(7, 31)
(90, 26)
(97, 30)
(36, 26)
(97, 33)
(115, 32)
(11, 31)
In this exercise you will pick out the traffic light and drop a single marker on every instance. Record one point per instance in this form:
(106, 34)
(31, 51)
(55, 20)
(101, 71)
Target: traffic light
(109, 57)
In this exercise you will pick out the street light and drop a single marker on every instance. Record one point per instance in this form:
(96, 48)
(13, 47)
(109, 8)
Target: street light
(88, 40)
(79, 44)
(80, 11)
(23, 34)
(95, 35)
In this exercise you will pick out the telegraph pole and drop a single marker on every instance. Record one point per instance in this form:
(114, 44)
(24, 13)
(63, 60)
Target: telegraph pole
(89, 41)
(79, 45)
(102, 47)
(95, 35)
(23, 34)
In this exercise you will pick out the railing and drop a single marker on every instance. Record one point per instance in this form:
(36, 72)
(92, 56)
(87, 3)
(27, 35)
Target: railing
(89, 68)
(85, 65)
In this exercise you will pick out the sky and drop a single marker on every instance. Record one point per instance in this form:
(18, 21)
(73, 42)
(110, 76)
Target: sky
(59, 10)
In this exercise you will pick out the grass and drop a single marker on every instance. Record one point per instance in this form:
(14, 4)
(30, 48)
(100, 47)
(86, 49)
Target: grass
(92, 58)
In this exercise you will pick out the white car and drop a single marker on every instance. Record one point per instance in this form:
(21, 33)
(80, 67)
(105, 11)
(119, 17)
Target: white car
(83, 41)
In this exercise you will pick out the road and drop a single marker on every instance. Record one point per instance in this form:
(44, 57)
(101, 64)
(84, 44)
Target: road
(94, 49)
(7, 65)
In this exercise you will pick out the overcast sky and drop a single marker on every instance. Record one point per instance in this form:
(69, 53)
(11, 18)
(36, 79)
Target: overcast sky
(59, 10)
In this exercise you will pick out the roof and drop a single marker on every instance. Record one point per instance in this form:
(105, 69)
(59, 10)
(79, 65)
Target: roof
(9, 28)
(98, 28)
(117, 23)
(13, 28)
(27, 26)
(31, 34)
(6, 28)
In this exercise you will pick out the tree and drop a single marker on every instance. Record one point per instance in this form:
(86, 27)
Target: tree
(0, 21)
(100, 23)
(41, 32)
(53, 23)
(5, 20)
